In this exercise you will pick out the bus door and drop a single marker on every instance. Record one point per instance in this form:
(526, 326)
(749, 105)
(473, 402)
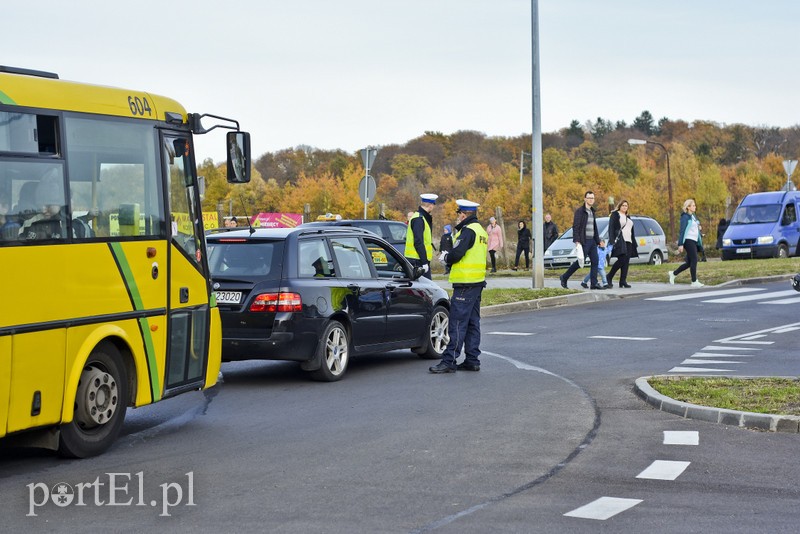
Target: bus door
(188, 301)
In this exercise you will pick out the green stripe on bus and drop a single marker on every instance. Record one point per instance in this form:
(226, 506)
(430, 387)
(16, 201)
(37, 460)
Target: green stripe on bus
(144, 324)
(5, 99)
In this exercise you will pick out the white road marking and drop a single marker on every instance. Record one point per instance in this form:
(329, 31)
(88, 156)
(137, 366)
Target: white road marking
(760, 296)
(603, 508)
(664, 470)
(703, 294)
(624, 337)
(698, 370)
(681, 437)
(784, 301)
(740, 338)
(718, 354)
(511, 333)
(785, 330)
(709, 347)
(692, 360)
(751, 338)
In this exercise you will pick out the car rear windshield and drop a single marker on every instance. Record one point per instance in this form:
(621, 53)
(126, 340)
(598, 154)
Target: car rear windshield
(244, 259)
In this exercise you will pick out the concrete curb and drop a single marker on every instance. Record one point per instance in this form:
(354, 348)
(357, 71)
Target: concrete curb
(757, 421)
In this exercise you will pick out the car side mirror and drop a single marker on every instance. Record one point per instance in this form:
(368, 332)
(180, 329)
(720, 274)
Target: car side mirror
(418, 272)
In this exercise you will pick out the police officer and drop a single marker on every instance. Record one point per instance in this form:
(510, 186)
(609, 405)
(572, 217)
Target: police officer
(419, 241)
(467, 263)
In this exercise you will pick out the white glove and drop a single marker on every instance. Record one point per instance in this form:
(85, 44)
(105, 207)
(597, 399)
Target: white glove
(443, 258)
(425, 268)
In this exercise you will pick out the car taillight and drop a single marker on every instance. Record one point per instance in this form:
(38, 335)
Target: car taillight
(277, 302)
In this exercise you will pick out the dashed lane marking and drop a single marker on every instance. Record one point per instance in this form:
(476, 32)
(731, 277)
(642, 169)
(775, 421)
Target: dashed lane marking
(703, 294)
(603, 508)
(664, 470)
(510, 333)
(681, 437)
(624, 337)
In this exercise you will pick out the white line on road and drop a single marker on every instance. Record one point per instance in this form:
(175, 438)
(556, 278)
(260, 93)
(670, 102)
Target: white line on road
(624, 337)
(681, 437)
(718, 354)
(510, 333)
(698, 370)
(735, 339)
(703, 294)
(760, 296)
(603, 508)
(690, 361)
(785, 330)
(709, 347)
(751, 338)
(664, 470)
(784, 301)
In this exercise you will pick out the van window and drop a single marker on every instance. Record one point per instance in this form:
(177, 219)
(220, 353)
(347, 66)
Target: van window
(789, 215)
(639, 228)
(652, 227)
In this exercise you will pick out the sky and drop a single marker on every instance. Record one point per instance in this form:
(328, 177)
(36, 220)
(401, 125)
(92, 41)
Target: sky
(346, 74)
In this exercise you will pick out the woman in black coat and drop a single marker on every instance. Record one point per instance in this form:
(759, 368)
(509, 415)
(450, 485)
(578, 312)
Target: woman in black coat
(620, 230)
(523, 244)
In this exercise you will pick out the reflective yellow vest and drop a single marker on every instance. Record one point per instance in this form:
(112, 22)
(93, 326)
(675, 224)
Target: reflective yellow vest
(472, 267)
(427, 238)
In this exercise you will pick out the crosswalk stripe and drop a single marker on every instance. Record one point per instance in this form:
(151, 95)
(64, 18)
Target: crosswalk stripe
(703, 294)
(711, 347)
(698, 370)
(794, 300)
(664, 470)
(745, 298)
(704, 362)
(718, 354)
(603, 508)
(681, 437)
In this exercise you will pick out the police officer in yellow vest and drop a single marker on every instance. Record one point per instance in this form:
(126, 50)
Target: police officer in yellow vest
(467, 263)
(419, 241)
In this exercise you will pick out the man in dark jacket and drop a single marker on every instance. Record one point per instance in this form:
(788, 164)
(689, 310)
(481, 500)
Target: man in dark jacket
(550, 231)
(584, 233)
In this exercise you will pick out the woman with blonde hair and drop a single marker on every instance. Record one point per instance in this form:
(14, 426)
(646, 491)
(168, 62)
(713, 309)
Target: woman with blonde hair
(690, 239)
(620, 230)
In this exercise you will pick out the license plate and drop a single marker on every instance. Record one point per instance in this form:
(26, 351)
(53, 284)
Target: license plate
(743, 250)
(228, 297)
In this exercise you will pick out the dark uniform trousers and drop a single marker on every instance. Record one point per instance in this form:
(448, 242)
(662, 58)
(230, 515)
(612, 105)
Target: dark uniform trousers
(465, 325)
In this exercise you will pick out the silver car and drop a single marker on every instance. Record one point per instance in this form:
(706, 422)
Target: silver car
(650, 242)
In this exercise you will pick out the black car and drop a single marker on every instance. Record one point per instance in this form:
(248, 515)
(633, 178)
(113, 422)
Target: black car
(392, 231)
(317, 295)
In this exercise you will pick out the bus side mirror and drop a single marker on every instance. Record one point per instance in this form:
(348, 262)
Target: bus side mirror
(238, 157)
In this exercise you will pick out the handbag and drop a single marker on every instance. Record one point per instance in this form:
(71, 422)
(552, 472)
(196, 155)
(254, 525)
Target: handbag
(579, 253)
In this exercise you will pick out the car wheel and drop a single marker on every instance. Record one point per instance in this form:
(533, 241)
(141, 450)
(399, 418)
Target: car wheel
(656, 258)
(783, 251)
(438, 335)
(100, 404)
(334, 353)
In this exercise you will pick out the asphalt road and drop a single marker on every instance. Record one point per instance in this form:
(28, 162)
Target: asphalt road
(549, 426)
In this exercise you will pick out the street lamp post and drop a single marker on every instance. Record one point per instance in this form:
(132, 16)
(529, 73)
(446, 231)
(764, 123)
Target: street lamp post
(669, 182)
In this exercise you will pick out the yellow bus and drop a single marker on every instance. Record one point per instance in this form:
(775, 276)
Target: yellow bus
(107, 300)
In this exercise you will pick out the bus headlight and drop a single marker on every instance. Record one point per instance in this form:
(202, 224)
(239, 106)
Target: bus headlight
(766, 240)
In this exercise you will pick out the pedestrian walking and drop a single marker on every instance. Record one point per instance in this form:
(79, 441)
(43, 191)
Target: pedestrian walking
(446, 242)
(621, 231)
(722, 225)
(550, 231)
(585, 234)
(602, 254)
(467, 262)
(495, 234)
(523, 244)
(419, 241)
(690, 240)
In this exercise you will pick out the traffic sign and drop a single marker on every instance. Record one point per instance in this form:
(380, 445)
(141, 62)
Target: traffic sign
(368, 157)
(366, 188)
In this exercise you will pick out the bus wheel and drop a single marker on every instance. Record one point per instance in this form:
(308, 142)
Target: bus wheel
(100, 405)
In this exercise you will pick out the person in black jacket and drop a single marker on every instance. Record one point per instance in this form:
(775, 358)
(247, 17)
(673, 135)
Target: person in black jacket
(523, 245)
(620, 229)
(550, 231)
(584, 233)
(446, 243)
